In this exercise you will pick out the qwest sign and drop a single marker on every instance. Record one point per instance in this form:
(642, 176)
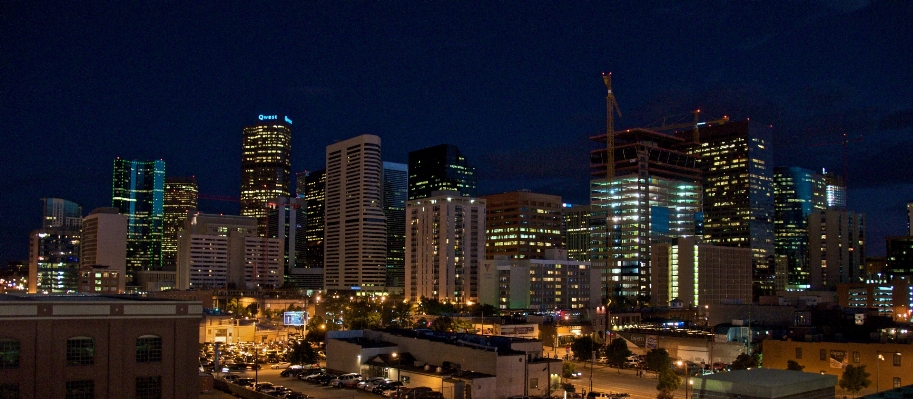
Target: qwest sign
(274, 118)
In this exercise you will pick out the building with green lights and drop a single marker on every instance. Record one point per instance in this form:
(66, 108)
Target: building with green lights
(655, 196)
(797, 193)
(139, 192)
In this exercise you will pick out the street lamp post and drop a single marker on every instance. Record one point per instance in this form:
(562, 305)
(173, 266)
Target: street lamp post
(877, 367)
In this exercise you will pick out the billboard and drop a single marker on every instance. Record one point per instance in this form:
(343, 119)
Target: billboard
(297, 318)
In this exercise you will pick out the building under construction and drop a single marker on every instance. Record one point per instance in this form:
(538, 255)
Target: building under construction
(654, 196)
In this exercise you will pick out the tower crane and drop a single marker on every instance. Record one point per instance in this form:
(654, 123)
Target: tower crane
(665, 125)
(846, 162)
(611, 107)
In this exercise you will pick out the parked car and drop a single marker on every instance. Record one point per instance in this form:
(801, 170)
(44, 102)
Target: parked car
(295, 395)
(351, 383)
(339, 381)
(370, 383)
(245, 382)
(325, 379)
(310, 376)
(387, 389)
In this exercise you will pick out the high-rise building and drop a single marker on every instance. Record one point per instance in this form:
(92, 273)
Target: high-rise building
(736, 162)
(396, 192)
(578, 221)
(355, 245)
(265, 165)
(836, 248)
(314, 191)
(286, 222)
(551, 283)
(522, 224)
(445, 247)
(910, 219)
(61, 213)
(899, 257)
(700, 274)
(836, 191)
(104, 242)
(139, 193)
(797, 193)
(220, 251)
(655, 196)
(440, 168)
(181, 196)
(54, 260)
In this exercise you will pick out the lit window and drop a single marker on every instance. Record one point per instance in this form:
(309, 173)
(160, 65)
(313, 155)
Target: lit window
(148, 349)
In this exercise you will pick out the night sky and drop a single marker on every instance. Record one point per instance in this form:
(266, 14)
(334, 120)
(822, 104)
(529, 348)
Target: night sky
(515, 85)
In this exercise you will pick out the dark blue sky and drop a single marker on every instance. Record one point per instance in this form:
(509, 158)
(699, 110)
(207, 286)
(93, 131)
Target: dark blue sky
(516, 85)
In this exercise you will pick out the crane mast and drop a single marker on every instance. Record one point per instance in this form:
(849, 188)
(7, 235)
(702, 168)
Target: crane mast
(611, 107)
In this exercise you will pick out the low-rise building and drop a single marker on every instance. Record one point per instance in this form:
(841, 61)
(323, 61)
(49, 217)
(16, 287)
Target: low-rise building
(763, 383)
(60, 346)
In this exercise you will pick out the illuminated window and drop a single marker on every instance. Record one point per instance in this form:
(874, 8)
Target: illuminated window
(9, 353)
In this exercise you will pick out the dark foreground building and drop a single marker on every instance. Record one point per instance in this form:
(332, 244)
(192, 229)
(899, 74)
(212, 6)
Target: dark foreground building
(82, 346)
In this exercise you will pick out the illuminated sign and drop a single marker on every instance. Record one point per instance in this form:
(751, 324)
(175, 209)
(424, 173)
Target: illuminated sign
(298, 318)
(268, 117)
(288, 120)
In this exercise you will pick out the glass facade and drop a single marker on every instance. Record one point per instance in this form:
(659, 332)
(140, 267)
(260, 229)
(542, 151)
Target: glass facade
(139, 193)
(396, 192)
(314, 188)
(797, 192)
(265, 168)
(181, 195)
(54, 255)
(440, 168)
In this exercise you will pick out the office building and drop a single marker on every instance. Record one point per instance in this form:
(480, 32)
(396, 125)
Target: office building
(836, 248)
(355, 244)
(53, 260)
(265, 165)
(910, 219)
(736, 163)
(61, 214)
(440, 168)
(101, 280)
(551, 283)
(220, 251)
(836, 191)
(286, 222)
(797, 193)
(181, 196)
(314, 191)
(88, 346)
(893, 299)
(700, 274)
(577, 225)
(445, 247)
(54, 248)
(396, 192)
(900, 256)
(104, 243)
(522, 224)
(139, 193)
(655, 196)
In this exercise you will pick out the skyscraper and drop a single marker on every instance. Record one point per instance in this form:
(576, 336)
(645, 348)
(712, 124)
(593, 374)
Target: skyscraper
(836, 248)
(181, 195)
(445, 247)
(285, 222)
(797, 193)
(736, 162)
(315, 202)
(355, 253)
(265, 165)
(578, 221)
(104, 242)
(61, 213)
(440, 168)
(522, 224)
(396, 192)
(836, 190)
(655, 196)
(139, 193)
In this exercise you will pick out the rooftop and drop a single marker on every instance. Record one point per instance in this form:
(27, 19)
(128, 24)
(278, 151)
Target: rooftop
(766, 383)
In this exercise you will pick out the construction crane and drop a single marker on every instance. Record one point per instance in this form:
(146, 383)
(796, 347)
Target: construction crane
(665, 125)
(611, 107)
(846, 162)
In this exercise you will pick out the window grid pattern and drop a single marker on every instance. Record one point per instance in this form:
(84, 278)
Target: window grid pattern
(80, 351)
(148, 349)
(9, 353)
(81, 389)
(149, 387)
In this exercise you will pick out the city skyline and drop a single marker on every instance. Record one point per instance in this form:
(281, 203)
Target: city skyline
(517, 90)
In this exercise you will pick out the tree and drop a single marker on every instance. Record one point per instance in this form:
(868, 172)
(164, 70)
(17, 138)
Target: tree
(568, 369)
(854, 379)
(617, 352)
(658, 360)
(794, 365)
(583, 348)
(302, 353)
(443, 324)
(317, 329)
(745, 361)
(251, 310)
(668, 383)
